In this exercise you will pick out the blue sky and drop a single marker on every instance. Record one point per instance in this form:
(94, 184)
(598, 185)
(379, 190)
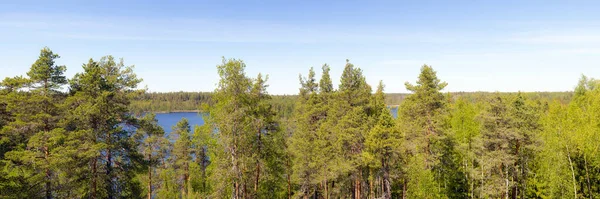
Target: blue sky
(176, 45)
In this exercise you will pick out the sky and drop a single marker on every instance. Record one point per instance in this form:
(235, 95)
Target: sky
(504, 46)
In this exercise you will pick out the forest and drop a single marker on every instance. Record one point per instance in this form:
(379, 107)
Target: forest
(166, 102)
(95, 135)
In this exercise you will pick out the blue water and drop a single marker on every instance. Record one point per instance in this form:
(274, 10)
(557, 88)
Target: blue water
(168, 120)
(394, 112)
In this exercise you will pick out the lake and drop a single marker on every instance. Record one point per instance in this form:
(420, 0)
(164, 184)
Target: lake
(168, 120)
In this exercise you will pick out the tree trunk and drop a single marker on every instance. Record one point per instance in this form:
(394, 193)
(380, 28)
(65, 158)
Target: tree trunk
(48, 182)
(482, 177)
(289, 182)
(357, 187)
(517, 173)
(371, 191)
(236, 185)
(380, 185)
(587, 176)
(387, 185)
(257, 178)
(94, 178)
(403, 189)
(469, 183)
(326, 185)
(109, 187)
(46, 150)
(572, 171)
(186, 176)
(150, 178)
(506, 180)
(257, 165)
(244, 190)
(203, 169)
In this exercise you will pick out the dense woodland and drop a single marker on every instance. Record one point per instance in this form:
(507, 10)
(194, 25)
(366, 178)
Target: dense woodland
(169, 102)
(164, 102)
(81, 137)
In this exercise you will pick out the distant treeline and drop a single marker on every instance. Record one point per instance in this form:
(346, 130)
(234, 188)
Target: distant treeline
(158, 102)
(170, 101)
(191, 101)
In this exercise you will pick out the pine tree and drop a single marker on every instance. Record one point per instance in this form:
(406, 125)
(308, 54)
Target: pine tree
(244, 119)
(152, 146)
(269, 143)
(37, 114)
(325, 84)
(303, 135)
(100, 142)
(204, 146)
(382, 146)
(310, 145)
(508, 145)
(182, 155)
(349, 121)
(421, 117)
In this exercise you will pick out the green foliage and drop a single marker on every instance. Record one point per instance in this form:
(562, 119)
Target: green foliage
(100, 140)
(169, 102)
(153, 146)
(422, 121)
(568, 160)
(465, 130)
(508, 145)
(96, 108)
(30, 138)
(383, 146)
(249, 134)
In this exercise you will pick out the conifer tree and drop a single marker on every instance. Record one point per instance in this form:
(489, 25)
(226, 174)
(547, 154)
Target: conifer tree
(37, 114)
(204, 146)
(100, 142)
(508, 144)
(383, 146)
(348, 121)
(152, 146)
(325, 84)
(303, 136)
(421, 121)
(182, 155)
(245, 123)
(310, 145)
